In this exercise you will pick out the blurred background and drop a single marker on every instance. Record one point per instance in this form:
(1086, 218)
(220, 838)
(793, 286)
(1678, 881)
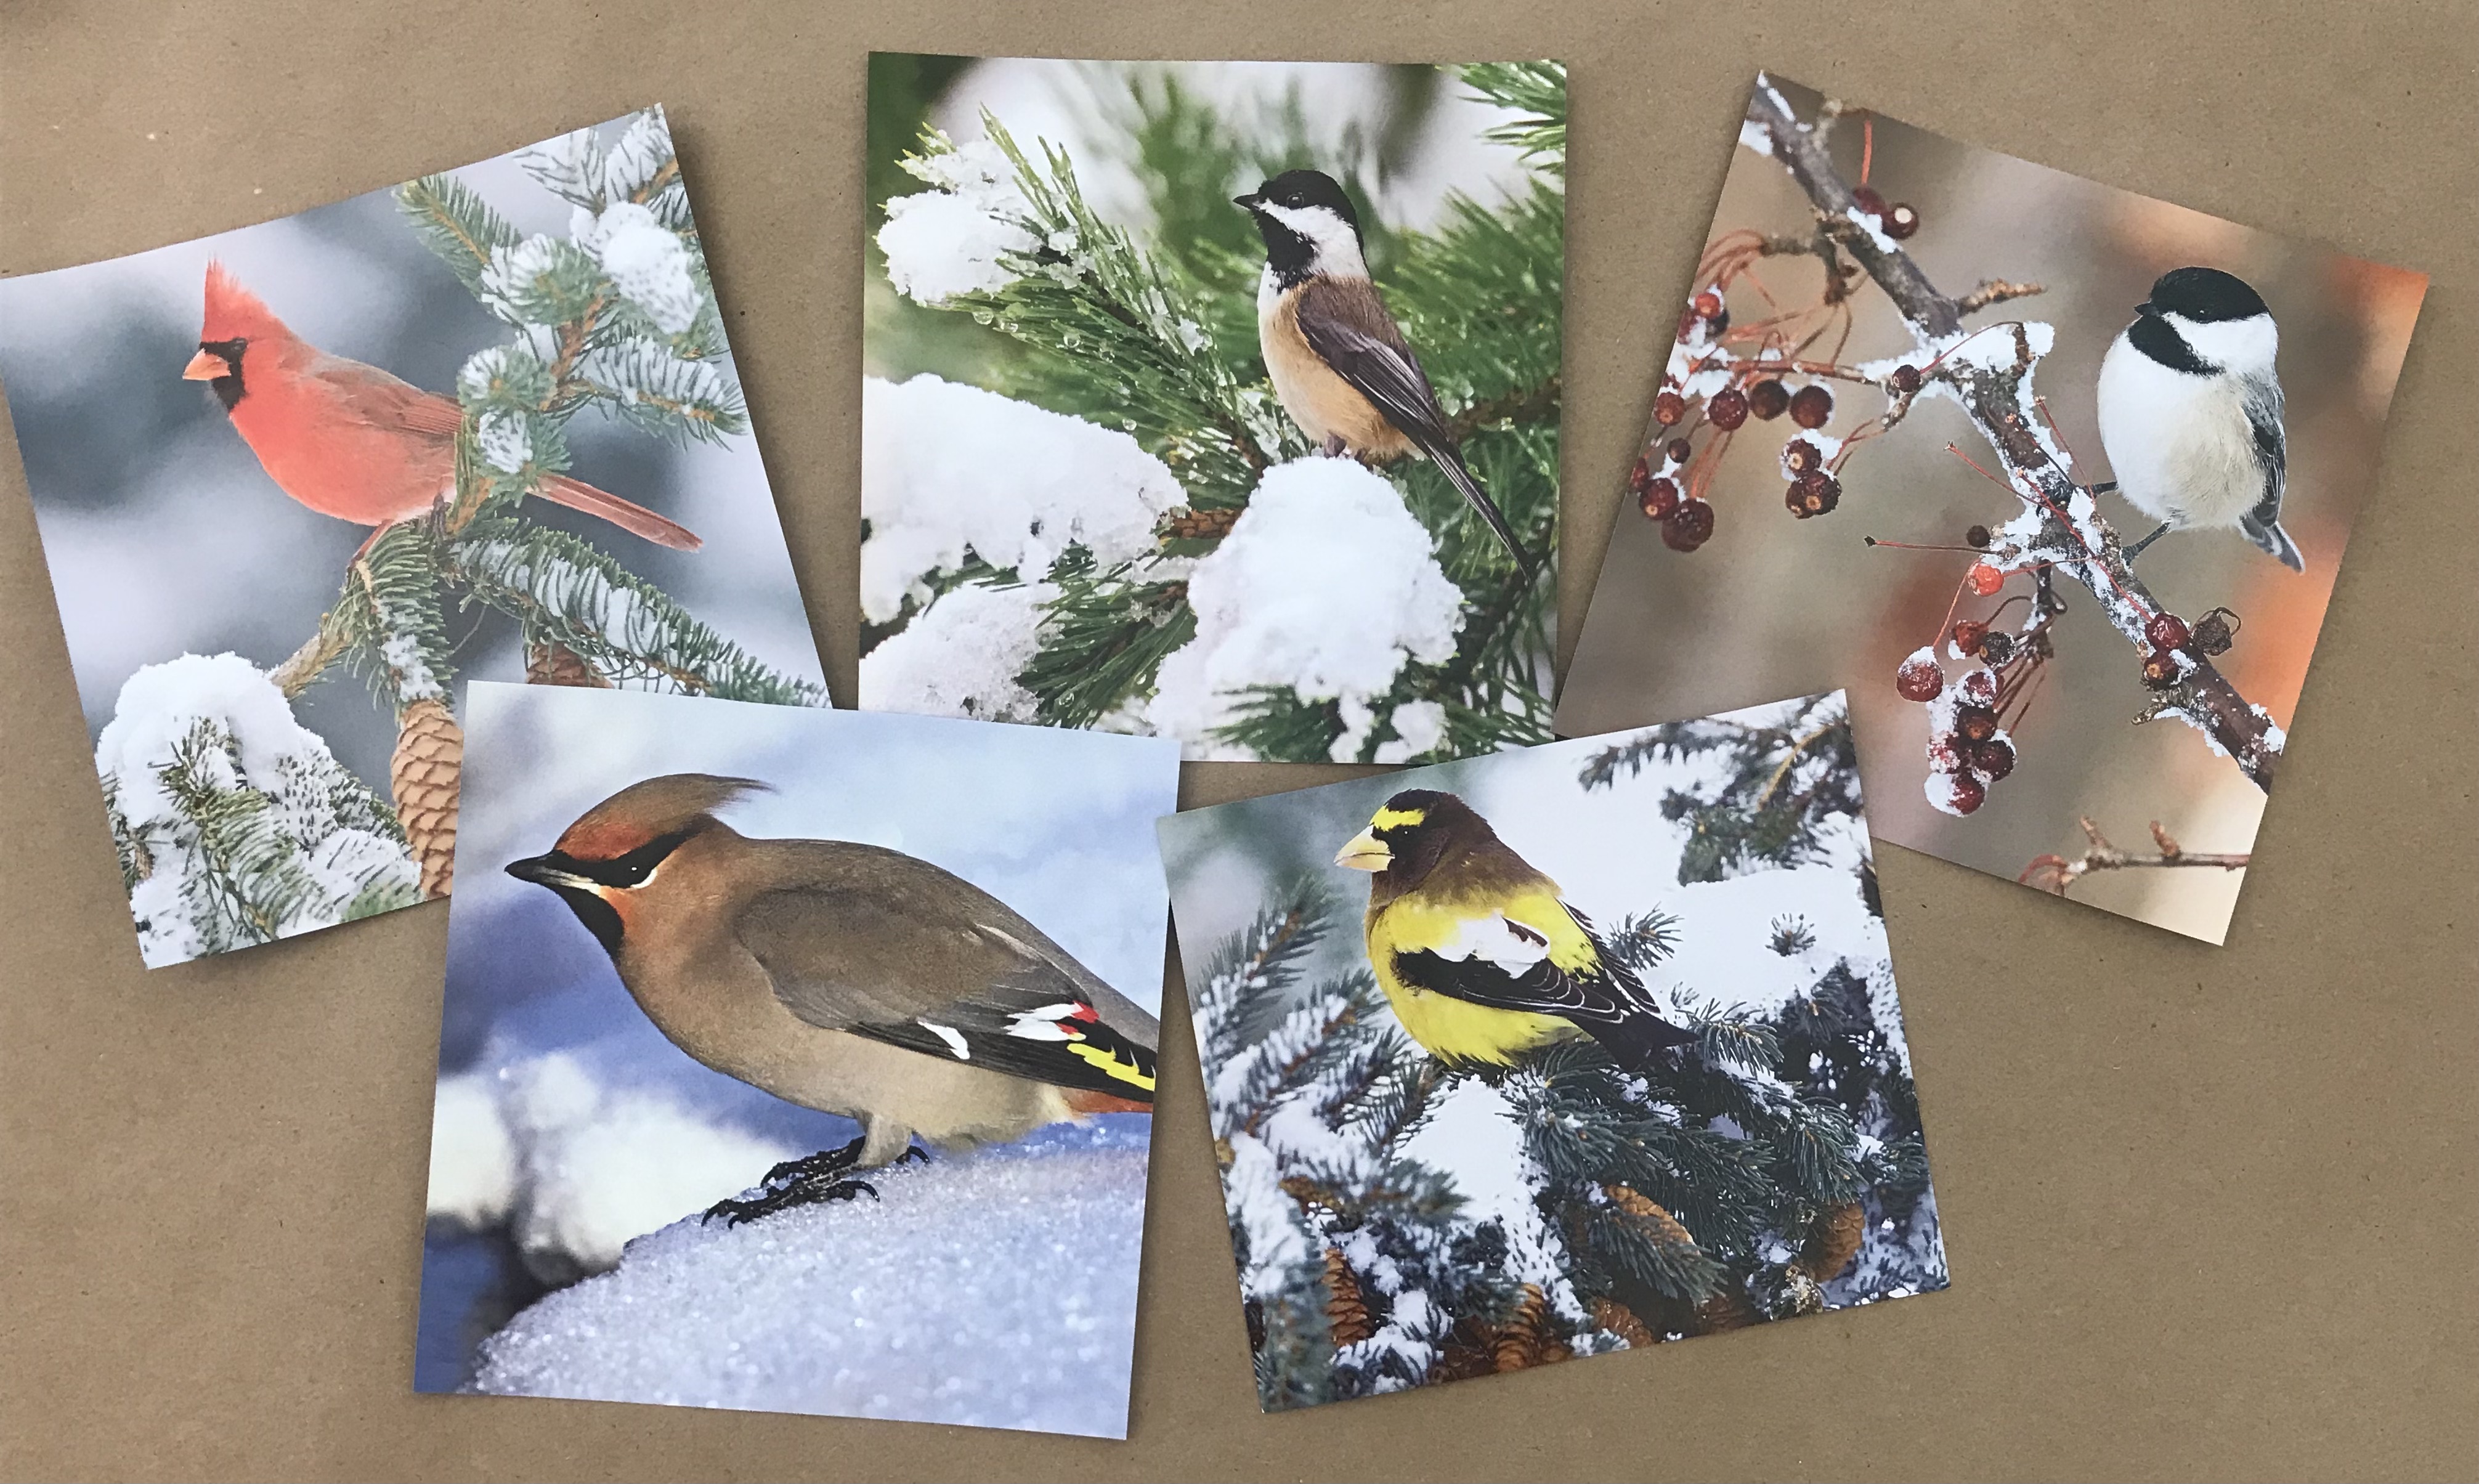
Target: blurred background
(163, 535)
(567, 1123)
(1403, 135)
(1774, 606)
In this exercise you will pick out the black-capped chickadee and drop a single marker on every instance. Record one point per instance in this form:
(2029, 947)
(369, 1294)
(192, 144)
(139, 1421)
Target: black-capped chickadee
(2190, 411)
(1337, 360)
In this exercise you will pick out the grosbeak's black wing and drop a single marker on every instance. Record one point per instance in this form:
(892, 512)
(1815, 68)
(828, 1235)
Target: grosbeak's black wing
(1604, 1000)
(921, 960)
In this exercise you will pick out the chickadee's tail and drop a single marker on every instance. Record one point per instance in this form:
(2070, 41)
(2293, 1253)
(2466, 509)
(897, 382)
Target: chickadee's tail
(1450, 464)
(635, 518)
(2275, 542)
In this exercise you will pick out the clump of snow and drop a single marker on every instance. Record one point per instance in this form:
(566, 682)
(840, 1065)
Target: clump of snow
(513, 270)
(1326, 586)
(505, 440)
(325, 838)
(1725, 929)
(1420, 726)
(954, 237)
(472, 1155)
(951, 471)
(1474, 1133)
(961, 656)
(596, 1168)
(648, 263)
(1278, 1241)
(995, 1290)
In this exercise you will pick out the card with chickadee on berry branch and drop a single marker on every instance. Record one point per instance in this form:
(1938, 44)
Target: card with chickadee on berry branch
(2054, 479)
(429, 432)
(795, 1059)
(1216, 401)
(1554, 1053)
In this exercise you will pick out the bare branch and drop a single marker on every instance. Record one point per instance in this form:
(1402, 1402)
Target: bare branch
(1998, 401)
(1997, 290)
(2053, 874)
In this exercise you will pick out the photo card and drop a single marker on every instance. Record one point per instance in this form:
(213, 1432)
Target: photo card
(796, 1061)
(1553, 1053)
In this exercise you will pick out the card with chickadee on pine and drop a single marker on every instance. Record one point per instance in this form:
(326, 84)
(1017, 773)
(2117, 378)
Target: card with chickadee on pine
(796, 1061)
(1216, 401)
(297, 482)
(1554, 1053)
(2054, 479)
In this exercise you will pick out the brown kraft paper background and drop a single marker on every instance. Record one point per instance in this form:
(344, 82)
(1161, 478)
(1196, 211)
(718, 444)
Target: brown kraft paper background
(2209, 1210)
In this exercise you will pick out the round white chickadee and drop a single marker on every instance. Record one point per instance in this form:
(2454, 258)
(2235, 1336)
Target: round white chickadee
(2190, 412)
(1338, 361)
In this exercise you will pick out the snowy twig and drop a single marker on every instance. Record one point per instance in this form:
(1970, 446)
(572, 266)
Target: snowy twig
(2055, 872)
(321, 649)
(2065, 525)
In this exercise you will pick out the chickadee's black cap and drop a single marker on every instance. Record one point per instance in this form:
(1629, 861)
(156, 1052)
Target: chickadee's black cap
(2206, 295)
(1300, 190)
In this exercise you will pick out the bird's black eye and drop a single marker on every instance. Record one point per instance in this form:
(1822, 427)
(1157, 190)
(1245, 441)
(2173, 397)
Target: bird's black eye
(632, 868)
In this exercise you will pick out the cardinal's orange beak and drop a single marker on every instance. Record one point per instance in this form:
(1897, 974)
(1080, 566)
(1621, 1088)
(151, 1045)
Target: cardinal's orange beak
(206, 366)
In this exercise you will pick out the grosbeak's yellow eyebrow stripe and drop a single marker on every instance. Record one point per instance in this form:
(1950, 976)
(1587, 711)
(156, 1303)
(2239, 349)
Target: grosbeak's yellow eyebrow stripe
(1388, 819)
(1124, 1069)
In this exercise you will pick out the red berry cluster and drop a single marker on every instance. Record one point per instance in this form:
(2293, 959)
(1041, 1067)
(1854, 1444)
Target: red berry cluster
(1968, 749)
(1897, 221)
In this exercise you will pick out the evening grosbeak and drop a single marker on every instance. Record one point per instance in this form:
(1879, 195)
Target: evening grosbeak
(1340, 364)
(846, 978)
(2190, 412)
(1479, 958)
(350, 440)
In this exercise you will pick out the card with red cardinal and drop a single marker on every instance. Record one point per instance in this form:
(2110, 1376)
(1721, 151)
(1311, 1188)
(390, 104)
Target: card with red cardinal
(297, 482)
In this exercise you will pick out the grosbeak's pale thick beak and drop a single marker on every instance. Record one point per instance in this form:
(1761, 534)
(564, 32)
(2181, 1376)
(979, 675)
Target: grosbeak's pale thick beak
(206, 366)
(1364, 851)
(539, 870)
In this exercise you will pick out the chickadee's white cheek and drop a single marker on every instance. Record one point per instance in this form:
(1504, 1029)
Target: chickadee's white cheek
(2240, 346)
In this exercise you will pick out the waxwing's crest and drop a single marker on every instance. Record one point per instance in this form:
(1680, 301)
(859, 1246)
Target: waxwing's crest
(641, 814)
(233, 311)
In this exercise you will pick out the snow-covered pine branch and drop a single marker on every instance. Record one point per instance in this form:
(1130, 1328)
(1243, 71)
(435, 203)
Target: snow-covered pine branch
(1988, 374)
(234, 823)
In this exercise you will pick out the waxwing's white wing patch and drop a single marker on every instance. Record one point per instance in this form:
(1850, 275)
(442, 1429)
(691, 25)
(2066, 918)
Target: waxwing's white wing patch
(953, 1038)
(1044, 1024)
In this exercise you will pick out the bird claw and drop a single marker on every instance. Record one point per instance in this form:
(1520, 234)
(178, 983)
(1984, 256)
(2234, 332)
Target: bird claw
(824, 1163)
(800, 1192)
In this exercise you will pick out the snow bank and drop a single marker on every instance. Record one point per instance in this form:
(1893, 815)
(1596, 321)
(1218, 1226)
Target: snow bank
(961, 656)
(949, 470)
(1725, 929)
(1325, 585)
(996, 1290)
(578, 1169)
(953, 239)
(318, 847)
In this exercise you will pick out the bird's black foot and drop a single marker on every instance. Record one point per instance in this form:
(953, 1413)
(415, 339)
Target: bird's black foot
(1333, 446)
(809, 1192)
(2137, 549)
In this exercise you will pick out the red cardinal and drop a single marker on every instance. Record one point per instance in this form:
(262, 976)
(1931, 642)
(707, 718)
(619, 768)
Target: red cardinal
(350, 440)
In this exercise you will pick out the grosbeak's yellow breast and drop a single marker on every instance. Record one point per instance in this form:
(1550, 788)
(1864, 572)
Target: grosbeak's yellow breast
(1454, 1030)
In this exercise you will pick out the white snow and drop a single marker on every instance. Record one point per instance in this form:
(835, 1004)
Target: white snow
(996, 1290)
(1277, 1241)
(1725, 929)
(1420, 726)
(1325, 585)
(473, 1157)
(513, 270)
(961, 656)
(505, 440)
(268, 751)
(950, 470)
(648, 263)
(598, 1168)
(1474, 1136)
(952, 240)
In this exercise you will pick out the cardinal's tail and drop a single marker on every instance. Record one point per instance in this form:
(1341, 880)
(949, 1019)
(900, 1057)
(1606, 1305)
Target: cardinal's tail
(635, 520)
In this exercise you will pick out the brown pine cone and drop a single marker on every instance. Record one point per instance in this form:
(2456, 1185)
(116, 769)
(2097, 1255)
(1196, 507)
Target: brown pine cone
(1618, 1320)
(422, 774)
(556, 664)
(1529, 1337)
(1346, 1312)
(1725, 1310)
(1186, 525)
(1647, 1214)
(1832, 1241)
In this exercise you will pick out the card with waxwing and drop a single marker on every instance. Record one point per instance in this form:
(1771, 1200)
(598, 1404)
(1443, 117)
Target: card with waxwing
(2054, 479)
(1216, 401)
(796, 1061)
(1553, 1053)
(297, 482)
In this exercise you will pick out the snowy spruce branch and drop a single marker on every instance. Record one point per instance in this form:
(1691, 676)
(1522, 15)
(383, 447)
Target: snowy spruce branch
(1136, 538)
(1988, 374)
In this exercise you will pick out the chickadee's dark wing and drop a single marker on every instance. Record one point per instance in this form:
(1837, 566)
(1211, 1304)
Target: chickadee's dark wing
(1349, 326)
(1601, 996)
(2263, 402)
(925, 960)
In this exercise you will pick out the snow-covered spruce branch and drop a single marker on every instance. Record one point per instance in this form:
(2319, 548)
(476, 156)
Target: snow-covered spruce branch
(2055, 872)
(2060, 525)
(1784, 788)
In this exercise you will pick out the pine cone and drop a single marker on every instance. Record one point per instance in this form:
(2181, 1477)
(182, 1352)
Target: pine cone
(1832, 1241)
(422, 774)
(1346, 1312)
(1529, 1337)
(1618, 1320)
(1725, 1310)
(556, 664)
(1186, 525)
(1647, 1214)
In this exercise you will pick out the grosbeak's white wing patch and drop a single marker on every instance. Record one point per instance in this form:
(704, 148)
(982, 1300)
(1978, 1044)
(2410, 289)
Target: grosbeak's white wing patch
(1499, 940)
